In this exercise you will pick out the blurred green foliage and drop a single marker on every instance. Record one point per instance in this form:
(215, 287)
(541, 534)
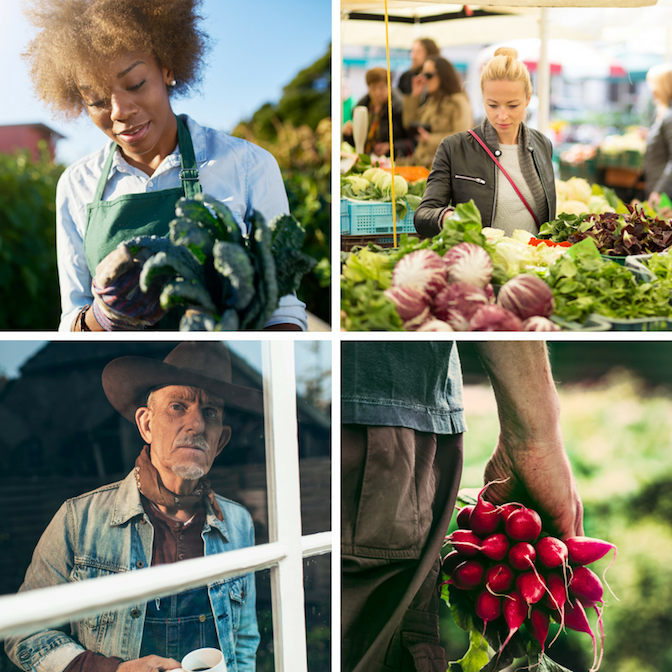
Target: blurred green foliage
(297, 131)
(305, 101)
(618, 435)
(29, 293)
(304, 156)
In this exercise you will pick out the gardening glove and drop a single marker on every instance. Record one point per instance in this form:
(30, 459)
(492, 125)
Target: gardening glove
(119, 302)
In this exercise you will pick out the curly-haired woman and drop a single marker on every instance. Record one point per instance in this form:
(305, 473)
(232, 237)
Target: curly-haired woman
(123, 61)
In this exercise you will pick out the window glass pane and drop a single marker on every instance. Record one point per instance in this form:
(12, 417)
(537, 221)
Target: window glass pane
(265, 655)
(313, 374)
(317, 585)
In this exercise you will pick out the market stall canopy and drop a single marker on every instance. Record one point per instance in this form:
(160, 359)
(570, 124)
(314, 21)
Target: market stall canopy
(573, 60)
(448, 25)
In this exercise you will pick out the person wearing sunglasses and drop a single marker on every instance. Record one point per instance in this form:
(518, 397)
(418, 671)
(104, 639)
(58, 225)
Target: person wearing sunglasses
(502, 165)
(445, 111)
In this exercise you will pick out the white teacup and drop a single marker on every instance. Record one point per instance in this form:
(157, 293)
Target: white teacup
(208, 660)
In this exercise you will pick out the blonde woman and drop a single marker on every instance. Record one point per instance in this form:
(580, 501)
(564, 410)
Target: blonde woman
(503, 165)
(658, 159)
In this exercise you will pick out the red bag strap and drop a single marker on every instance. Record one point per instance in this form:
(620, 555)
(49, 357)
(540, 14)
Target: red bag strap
(499, 165)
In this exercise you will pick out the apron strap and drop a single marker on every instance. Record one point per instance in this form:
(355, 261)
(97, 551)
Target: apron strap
(189, 168)
(107, 166)
(189, 172)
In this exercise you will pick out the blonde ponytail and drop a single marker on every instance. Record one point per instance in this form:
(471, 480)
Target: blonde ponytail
(506, 66)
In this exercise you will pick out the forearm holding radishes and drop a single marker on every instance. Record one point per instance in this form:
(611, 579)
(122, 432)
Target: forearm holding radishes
(530, 453)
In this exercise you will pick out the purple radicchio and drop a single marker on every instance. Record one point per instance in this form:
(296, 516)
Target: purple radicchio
(539, 323)
(432, 324)
(495, 318)
(411, 302)
(526, 295)
(470, 263)
(423, 269)
(456, 304)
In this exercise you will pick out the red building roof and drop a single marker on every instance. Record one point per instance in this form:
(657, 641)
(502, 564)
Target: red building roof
(26, 136)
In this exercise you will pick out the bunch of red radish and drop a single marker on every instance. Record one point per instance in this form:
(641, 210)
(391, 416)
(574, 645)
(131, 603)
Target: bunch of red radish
(510, 570)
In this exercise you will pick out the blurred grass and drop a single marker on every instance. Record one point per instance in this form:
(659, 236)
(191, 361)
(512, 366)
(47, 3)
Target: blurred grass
(618, 436)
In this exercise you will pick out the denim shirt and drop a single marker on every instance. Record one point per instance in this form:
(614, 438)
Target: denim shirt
(242, 175)
(414, 384)
(107, 532)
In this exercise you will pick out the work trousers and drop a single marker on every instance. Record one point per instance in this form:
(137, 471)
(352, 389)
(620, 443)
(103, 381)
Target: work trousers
(399, 488)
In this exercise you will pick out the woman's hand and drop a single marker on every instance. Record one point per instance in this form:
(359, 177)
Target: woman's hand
(447, 216)
(119, 303)
(654, 199)
(381, 148)
(423, 133)
(418, 84)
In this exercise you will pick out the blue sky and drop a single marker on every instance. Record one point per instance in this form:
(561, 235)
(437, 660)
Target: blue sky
(259, 46)
(14, 353)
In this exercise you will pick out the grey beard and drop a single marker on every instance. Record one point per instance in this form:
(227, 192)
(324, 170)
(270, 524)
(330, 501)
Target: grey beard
(188, 472)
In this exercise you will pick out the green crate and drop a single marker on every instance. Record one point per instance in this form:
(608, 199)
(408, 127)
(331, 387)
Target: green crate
(618, 260)
(586, 170)
(642, 324)
(632, 158)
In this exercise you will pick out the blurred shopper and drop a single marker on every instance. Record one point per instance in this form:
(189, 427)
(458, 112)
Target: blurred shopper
(420, 51)
(658, 159)
(446, 111)
(471, 165)
(378, 134)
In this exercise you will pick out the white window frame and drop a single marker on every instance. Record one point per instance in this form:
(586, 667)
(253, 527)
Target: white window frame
(31, 611)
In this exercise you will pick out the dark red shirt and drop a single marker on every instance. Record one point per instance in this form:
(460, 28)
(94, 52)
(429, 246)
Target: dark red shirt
(173, 541)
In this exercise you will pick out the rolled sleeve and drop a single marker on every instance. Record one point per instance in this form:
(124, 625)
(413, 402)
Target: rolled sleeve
(290, 310)
(51, 565)
(268, 196)
(73, 271)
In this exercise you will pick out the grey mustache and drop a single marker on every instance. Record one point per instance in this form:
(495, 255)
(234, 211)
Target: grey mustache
(197, 441)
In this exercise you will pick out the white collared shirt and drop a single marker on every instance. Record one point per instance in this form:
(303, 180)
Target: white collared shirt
(234, 171)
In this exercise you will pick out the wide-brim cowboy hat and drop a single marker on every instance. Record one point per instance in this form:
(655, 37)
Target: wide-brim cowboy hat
(202, 364)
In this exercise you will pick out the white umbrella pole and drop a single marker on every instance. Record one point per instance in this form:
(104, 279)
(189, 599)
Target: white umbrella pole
(544, 73)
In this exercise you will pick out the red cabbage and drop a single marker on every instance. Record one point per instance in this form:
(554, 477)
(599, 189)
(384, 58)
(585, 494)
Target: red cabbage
(423, 269)
(410, 302)
(495, 318)
(525, 296)
(539, 323)
(470, 263)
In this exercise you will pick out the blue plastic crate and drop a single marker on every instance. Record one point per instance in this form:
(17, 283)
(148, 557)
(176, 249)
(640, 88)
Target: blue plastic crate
(345, 216)
(368, 217)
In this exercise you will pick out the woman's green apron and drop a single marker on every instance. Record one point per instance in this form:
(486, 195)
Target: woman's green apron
(109, 223)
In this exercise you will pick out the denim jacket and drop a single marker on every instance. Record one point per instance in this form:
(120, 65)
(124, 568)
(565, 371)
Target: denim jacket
(107, 532)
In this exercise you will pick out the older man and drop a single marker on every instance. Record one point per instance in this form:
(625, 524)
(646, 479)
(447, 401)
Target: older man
(162, 512)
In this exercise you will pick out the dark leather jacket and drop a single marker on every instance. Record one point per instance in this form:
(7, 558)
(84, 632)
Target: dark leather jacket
(462, 170)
